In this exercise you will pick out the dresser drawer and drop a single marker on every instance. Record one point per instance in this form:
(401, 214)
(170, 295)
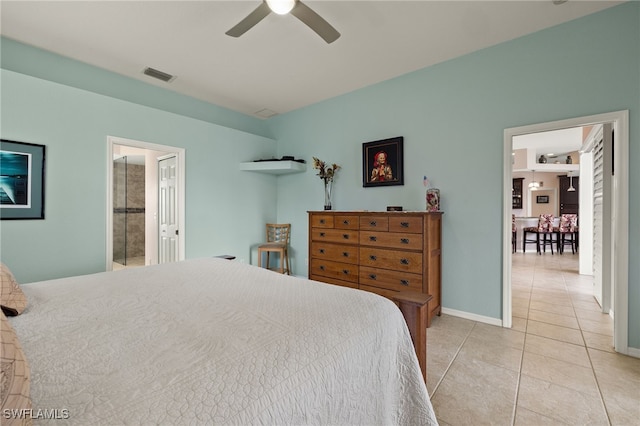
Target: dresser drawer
(391, 280)
(396, 260)
(389, 294)
(336, 252)
(346, 222)
(410, 224)
(337, 270)
(334, 281)
(401, 240)
(335, 235)
(379, 223)
(322, 221)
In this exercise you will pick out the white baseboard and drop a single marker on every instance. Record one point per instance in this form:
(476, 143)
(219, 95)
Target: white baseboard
(634, 352)
(472, 317)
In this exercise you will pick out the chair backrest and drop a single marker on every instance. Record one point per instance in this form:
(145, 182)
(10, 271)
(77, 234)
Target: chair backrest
(545, 223)
(568, 223)
(278, 232)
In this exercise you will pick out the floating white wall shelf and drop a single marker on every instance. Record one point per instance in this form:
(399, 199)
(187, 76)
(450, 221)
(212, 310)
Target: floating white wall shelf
(274, 167)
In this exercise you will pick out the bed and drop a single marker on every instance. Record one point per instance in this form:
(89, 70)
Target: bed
(211, 341)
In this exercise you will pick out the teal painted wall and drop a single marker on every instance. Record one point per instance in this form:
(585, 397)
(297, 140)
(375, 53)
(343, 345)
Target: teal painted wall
(35, 62)
(452, 117)
(226, 208)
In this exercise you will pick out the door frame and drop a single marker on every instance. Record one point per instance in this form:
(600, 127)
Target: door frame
(180, 154)
(620, 205)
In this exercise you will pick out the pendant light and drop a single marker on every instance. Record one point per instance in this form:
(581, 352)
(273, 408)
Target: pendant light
(571, 188)
(533, 185)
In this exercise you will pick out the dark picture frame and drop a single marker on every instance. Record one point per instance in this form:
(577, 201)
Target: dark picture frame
(542, 199)
(383, 171)
(21, 180)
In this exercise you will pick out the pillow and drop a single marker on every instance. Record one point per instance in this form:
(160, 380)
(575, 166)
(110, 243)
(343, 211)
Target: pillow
(12, 299)
(14, 378)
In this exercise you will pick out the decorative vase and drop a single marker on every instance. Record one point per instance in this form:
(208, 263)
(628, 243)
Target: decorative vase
(433, 200)
(327, 194)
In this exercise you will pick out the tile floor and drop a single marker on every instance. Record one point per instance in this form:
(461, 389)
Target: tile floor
(133, 262)
(556, 366)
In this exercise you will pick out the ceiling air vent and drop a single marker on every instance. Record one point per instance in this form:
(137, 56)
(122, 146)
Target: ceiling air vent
(151, 72)
(265, 113)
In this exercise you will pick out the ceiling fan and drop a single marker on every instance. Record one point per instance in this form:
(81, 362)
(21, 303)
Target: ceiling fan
(282, 7)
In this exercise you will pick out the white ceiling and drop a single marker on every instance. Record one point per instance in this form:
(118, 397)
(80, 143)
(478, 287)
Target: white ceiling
(551, 144)
(279, 64)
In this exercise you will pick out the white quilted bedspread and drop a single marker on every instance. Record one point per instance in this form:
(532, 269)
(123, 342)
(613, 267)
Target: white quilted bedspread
(212, 341)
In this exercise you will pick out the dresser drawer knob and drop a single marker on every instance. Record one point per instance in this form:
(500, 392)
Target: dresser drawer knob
(345, 236)
(404, 240)
(404, 261)
(322, 267)
(373, 257)
(345, 271)
(322, 234)
(373, 276)
(345, 254)
(404, 224)
(373, 223)
(322, 221)
(373, 238)
(345, 222)
(321, 251)
(404, 282)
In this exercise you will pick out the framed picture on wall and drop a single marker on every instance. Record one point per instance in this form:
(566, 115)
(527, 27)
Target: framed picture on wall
(21, 180)
(382, 162)
(542, 199)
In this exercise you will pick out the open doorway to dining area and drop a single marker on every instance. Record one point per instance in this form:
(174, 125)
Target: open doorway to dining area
(566, 168)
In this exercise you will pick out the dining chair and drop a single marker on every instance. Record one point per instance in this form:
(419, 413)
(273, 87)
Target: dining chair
(546, 232)
(513, 233)
(567, 232)
(278, 238)
(526, 231)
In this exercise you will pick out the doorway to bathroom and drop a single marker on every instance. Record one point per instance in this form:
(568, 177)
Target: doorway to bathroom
(128, 211)
(134, 203)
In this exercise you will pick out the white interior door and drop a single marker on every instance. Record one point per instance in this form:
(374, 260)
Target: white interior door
(168, 209)
(602, 217)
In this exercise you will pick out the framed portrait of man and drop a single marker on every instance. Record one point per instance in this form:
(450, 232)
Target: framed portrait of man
(382, 162)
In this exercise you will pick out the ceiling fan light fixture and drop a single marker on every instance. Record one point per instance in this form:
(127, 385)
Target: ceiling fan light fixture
(281, 7)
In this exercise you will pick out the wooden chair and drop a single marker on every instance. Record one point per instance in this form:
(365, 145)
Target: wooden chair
(278, 237)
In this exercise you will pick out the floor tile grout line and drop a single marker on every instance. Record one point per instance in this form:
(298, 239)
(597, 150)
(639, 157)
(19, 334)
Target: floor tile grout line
(593, 370)
(455, 356)
(524, 343)
(584, 344)
(515, 407)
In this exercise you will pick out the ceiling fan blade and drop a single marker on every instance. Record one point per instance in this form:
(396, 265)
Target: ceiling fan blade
(315, 22)
(247, 23)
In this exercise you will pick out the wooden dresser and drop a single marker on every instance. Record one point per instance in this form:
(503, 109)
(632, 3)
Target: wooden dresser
(381, 252)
